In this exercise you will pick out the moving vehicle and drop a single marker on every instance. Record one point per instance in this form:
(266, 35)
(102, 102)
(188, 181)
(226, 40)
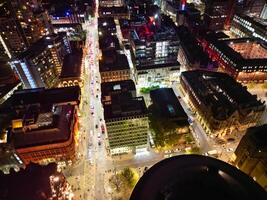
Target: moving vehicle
(103, 129)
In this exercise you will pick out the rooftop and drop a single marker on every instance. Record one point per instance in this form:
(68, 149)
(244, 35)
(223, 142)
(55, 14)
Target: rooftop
(168, 104)
(196, 177)
(112, 61)
(108, 88)
(259, 136)
(38, 175)
(221, 93)
(124, 106)
(45, 96)
(39, 46)
(155, 30)
(222, 45)
(72, 64)
(193, 51)
(109, 42)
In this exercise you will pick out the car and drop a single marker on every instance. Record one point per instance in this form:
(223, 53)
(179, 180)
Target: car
(96, 126)
(230, 139)
(99, 142)
(92, 113)
(102, 129)
(100, 119)
(96, 96)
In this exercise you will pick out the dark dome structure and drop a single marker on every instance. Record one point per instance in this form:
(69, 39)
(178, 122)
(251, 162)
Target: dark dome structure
(196, 177)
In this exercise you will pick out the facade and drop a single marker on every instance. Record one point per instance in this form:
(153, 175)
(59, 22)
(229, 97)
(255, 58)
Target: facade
(126, 120)
(155, 47)
(8, 82)
(162, 75)
(40, 65)
(191, 54)
(115, 12)
(42, 124)
(222, 105)
(216, 13)
(111, 3)
(21, 24)
(46, 183)
(246, 26)
(251, 154)
(72, 69)
(114, 67)
(242, 58)
(155, 43)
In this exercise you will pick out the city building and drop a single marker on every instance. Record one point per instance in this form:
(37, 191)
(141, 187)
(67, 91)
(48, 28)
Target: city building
(221, 104)
(62, 12)
(42, 124)
(263, 14)
(117, 87)
(106, 26)
(126, 120)
(170, 8)
(21, 24)
(40, 65)
(254, 7)
(251, 154)
(242, 58)
(191, 54)
(111, 3)
(167, 106)
(155, 49)
(8, 82)
(114, 66)
(72, 69)
(216, 13)
(46, 183)
(248, 26)
(115, 12)
(109, 42)
(168, 119)
(196, 176)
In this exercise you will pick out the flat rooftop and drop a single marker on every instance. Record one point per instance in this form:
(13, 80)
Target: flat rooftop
(152, 32)
(58, 131)
(108, 88)
(72, 64)
(228, 48)
(167, 104)
(45, 96)
(113, 61)
(124, 106)
(221, 93)
(109, 42)
(258, 136)
(39, 46)
(196, 177)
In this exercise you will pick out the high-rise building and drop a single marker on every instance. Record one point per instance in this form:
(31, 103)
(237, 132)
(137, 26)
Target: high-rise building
(222, 105)
(21, 24)
(111, 3)
(40, 65)
(251, 154)
(216, 12)
(114, 67)
(41, 124)
(126, 120)
(248, 26)
(242, 58)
